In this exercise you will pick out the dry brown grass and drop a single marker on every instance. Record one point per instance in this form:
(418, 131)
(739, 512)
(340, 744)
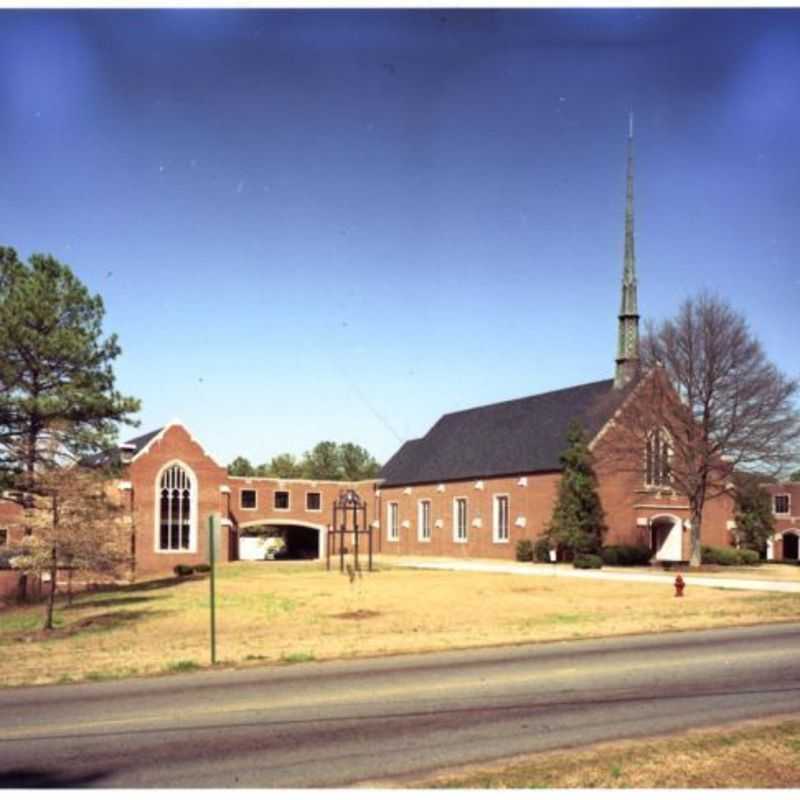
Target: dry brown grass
(273, 612)
(745, 755)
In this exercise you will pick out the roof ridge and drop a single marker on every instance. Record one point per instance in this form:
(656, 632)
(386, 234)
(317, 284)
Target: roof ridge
(527, 397)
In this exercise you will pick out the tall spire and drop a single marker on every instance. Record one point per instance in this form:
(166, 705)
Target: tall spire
(628, 338)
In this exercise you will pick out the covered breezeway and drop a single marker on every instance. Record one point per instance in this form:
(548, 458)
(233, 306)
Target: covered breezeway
(304, 541)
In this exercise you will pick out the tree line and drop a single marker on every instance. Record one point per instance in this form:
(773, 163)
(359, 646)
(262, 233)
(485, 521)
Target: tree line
(325, 461)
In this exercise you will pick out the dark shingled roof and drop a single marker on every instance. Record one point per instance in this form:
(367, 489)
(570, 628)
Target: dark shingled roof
(510, 438)
(112, 457)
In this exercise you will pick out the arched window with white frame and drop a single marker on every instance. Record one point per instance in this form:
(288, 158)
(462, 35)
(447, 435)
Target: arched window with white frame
(658, 455)
(176, 510)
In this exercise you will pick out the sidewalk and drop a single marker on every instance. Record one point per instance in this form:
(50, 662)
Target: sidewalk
(606, 574)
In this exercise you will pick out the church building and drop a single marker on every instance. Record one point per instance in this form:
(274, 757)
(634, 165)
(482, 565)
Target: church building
(475, 484)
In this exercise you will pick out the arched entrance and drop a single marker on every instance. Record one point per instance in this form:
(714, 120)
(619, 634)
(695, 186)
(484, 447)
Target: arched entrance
(790, 545)
(304, 541)
(666, 538)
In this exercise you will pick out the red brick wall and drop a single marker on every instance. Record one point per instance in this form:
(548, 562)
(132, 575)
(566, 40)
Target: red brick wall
(12, 520)
(534, 502)
(785, 522)
(175, 444)
(265, 489)
(622, 494)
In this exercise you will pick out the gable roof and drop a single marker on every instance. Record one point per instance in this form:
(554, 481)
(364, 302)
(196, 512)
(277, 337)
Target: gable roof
(509, 438)
(113, 456)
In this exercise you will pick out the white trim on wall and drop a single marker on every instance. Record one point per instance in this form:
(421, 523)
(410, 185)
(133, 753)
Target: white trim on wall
(288, 494)
(392, 521)
(788, 512)
(242, 506)
(496, 538)
(421, 531)
(314, 510)
(456, 531)
(194, 493)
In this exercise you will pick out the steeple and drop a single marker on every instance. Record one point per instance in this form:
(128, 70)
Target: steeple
(628, 339)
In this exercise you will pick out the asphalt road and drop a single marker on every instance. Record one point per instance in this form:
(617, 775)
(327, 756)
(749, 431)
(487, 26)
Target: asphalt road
(336, 724)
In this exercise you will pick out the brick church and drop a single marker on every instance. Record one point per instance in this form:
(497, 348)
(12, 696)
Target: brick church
(475, 484)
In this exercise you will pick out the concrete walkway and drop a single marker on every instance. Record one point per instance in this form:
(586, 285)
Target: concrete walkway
(605, 574)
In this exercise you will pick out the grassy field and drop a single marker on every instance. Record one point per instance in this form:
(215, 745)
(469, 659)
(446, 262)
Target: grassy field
(284, 613)
(746, 755)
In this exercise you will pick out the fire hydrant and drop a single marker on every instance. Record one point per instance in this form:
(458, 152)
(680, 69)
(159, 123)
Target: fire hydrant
(679, 584)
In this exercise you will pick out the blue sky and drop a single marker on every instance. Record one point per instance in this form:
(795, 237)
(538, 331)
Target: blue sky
(342, 225)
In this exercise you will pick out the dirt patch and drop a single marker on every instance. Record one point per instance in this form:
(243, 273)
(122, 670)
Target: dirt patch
(361, 613)
(532, 590)
(99, 622)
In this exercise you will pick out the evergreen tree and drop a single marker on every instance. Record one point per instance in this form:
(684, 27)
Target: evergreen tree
(754, 519)
(577, 522)
(58, 403)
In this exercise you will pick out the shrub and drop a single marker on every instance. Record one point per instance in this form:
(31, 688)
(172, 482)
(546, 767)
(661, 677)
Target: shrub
(541, 550)
(587, 561)
(610, 556)
(724, 556)
(182, 570)
(749, 557)
(626, 555)
(203, 568)
(524, 550)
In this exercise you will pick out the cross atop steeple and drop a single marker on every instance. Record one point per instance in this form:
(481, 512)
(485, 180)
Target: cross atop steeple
(628, 338)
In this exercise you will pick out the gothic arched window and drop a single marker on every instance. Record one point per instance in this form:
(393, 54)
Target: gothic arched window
(175, 509)
(657, 459)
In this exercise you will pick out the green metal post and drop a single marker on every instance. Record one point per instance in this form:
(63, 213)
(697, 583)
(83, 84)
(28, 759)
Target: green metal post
(211, 549)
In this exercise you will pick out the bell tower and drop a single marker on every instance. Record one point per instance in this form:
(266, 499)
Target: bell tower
(628, 336)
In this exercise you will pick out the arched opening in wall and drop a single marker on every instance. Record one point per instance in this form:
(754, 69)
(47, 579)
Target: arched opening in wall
(280, 541)
(666, 538)
(790, 545)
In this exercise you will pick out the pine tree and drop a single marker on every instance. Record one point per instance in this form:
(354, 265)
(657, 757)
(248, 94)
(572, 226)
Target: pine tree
(577, 522)
(58, 403)
(754, 520)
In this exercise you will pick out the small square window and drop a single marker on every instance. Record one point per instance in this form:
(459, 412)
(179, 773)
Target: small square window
(248, 498)
(313, 501)
(282, 500)
(781, 503)
(3, 537)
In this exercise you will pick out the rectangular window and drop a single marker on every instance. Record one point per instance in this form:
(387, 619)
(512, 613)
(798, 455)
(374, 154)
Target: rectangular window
(313, 501)
(282, 501)
(424, 521)
(392, 527)
(248, 498)
(460, 519)
(3, 537)
(500, 523)
(781, 503)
